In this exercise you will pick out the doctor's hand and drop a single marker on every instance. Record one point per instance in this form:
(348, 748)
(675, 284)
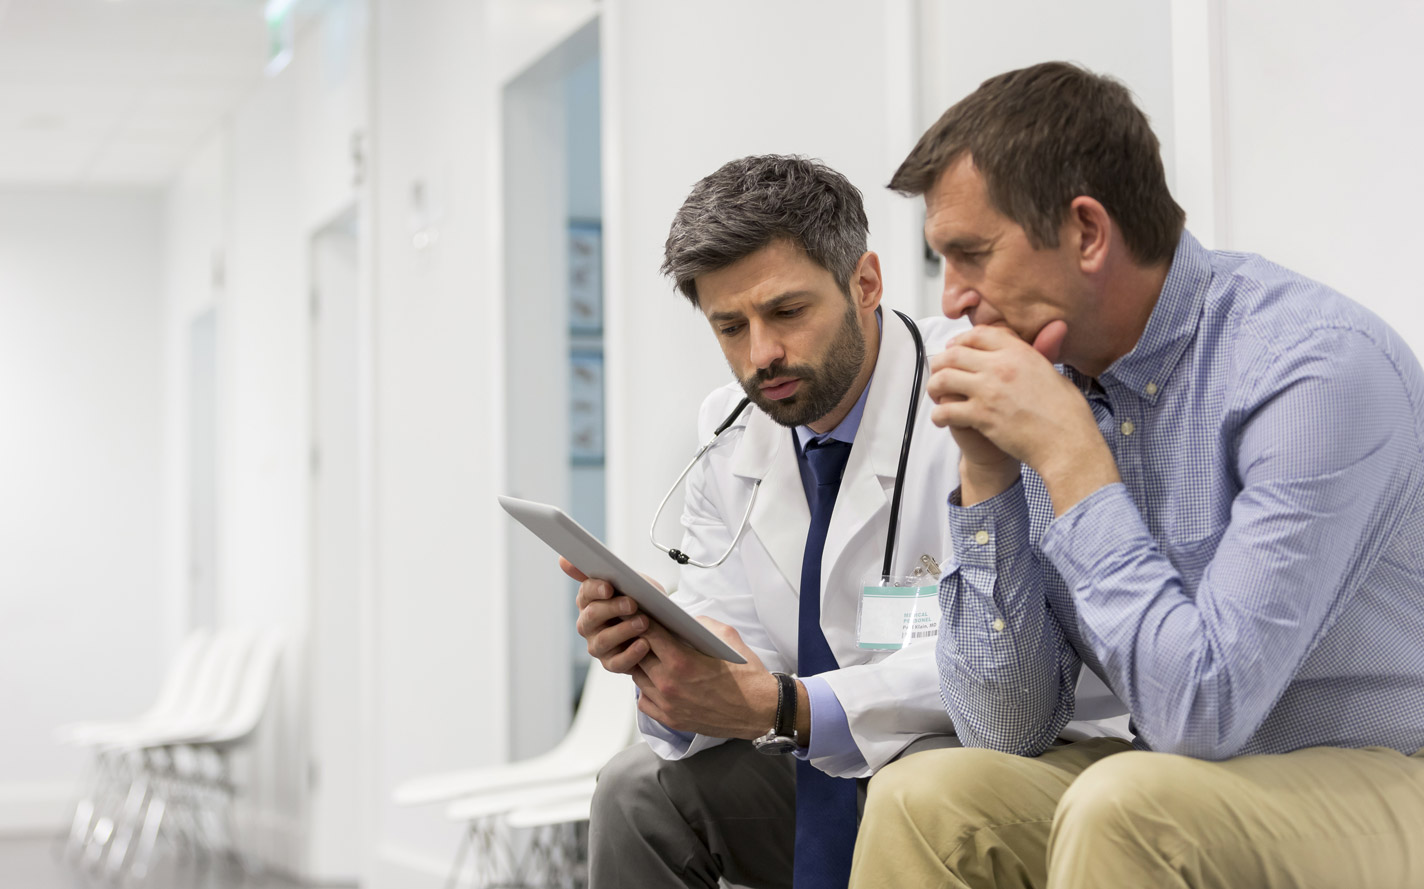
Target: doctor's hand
(688, 691)
(990, 381)
(609, 621)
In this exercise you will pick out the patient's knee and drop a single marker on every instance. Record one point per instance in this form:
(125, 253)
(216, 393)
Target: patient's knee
(1124, 799)
(962, 784)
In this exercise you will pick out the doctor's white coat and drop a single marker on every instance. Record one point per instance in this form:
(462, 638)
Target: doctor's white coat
(890, 698)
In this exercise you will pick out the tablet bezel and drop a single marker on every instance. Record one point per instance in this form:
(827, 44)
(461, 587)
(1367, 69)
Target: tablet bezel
(588, 554)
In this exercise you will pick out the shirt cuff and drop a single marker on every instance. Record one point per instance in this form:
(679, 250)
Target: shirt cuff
(980, 531)
(830, 727)
(680, 741)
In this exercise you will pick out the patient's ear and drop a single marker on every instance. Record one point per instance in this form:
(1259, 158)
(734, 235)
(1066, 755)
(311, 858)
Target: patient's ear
(1090, 227)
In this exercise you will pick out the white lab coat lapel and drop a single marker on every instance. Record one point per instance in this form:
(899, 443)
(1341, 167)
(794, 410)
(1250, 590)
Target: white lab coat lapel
(781, 517)
(869, 478)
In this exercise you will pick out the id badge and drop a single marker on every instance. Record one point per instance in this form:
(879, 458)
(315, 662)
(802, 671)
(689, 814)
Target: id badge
(896, 610)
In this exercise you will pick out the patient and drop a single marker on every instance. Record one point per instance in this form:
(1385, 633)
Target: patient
(1215, 502)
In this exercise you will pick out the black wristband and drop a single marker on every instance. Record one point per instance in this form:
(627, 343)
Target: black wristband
(785, 724)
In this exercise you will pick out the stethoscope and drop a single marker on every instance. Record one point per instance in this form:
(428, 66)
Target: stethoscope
(683, 558)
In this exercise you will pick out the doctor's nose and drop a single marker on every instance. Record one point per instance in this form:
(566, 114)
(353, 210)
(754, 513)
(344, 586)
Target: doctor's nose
(766, 349)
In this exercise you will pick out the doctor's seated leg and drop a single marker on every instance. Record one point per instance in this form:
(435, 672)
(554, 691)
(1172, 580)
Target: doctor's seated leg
(726, 812)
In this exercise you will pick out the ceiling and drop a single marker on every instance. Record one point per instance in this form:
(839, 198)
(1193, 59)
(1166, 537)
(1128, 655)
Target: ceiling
(119, 92)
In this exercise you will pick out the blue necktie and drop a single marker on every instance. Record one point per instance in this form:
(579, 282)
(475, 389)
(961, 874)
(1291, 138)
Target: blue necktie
(825, 806)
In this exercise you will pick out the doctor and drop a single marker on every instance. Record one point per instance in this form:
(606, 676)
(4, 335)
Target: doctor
(742, 758)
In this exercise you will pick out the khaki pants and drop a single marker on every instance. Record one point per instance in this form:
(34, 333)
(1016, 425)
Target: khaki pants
(1098, 814)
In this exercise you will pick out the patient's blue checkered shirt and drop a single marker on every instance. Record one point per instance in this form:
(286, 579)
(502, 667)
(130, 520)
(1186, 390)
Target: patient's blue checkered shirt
(1256, 582)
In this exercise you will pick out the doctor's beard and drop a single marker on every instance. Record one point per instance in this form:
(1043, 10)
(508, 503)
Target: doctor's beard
(822, 386)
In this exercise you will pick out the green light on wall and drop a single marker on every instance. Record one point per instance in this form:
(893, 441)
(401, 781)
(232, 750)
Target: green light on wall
(281, 34)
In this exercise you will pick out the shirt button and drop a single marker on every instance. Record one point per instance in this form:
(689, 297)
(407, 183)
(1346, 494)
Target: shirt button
(1127, 427)
(998, 625)
(1151, 388)
(981, 537)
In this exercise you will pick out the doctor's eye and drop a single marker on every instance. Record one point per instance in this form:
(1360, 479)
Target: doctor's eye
(730, 329)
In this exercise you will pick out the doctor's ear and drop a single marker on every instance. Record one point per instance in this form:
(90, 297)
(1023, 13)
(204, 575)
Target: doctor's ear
(866, 285)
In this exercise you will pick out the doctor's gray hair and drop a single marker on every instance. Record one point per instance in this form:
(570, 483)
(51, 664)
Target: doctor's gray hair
(749, 203)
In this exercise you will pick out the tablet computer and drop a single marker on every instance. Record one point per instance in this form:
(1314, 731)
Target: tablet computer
(588, 554)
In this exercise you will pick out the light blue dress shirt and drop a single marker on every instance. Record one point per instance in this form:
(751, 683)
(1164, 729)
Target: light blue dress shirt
(1255, 584)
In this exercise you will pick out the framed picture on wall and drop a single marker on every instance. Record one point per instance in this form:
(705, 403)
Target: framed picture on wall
(585, 407)
(585, 276)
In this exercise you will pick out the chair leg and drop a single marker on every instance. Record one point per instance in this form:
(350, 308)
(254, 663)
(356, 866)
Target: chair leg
(130, 818)
(456, 870)
(113, 790)
(212, 803)
(143, 856)
(71, 845)
(79, 828)
(98, 843)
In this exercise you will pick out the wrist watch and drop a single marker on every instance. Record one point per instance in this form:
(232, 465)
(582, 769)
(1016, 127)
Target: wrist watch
(782, 736)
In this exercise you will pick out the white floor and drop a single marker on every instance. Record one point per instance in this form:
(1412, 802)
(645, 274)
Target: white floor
(33, 863)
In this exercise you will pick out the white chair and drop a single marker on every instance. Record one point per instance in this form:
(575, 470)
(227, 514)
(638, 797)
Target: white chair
(213, 692)
(217, 686)
(1097, 711)
(604, 725)
(556, 854)
(1111, 727)
(159, 760)
(492, 858)
(120, 746)
(172, 696)
(103, 780)
(195, 778)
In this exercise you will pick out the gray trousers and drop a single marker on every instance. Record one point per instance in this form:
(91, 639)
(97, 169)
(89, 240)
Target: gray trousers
(728, 812)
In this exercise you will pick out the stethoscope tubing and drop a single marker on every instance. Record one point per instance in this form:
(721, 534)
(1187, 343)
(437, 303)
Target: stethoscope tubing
(897, 496)
(911, 415)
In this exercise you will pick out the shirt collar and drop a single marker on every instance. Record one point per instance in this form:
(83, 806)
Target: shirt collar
(1173, 323)
(845, 430)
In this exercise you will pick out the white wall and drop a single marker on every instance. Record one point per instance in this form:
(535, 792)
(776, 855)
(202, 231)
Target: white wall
(82, 631)
(439, 700)
(194, 266)
(248, 202)
(1324, 117)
